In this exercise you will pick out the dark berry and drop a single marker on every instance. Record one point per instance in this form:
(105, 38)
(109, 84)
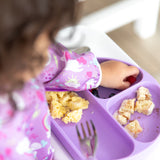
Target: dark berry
(111, 95)
(95, 92)
(131, 79)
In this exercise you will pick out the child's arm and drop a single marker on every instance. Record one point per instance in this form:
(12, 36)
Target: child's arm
(115, 73)
(70, 71)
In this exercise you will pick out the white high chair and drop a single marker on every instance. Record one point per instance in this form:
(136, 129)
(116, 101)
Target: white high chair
(144, 13)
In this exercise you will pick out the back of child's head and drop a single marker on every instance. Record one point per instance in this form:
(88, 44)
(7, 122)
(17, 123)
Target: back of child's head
(21, 21)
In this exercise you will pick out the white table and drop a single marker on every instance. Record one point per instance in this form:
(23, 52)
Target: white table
(102, 46)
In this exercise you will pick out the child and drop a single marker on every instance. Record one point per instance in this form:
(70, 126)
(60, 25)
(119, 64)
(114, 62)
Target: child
(26, 31)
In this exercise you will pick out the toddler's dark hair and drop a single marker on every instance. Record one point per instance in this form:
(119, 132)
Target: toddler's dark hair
(21, 21)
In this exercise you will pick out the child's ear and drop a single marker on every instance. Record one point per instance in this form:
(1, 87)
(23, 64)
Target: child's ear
(42, 42)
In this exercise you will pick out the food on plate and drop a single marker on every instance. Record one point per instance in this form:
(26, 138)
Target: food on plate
(143, 104)
(122, 119)
(66, 105)
(127, 115)
(72, 116)
(111, 95)
(143, 94)
(125, 111)
(146, 107)
(134, 128)
(77, 102)
(57, 110)
(131, 79)
(127, 105)
(94, 92)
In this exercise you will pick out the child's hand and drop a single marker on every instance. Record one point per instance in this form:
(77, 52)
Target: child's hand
(115, 73)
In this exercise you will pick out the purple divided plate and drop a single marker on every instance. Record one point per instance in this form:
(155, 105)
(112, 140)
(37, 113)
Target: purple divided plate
(114, 142)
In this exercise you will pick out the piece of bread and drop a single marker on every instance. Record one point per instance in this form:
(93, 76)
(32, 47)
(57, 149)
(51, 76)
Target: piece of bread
(134, 128)
(146, 107)
(120, 118)
(127, 106)
(125, 114)
(143, 94)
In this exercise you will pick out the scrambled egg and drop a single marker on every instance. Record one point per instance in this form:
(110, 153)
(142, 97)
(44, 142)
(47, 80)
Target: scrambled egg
(66, 105)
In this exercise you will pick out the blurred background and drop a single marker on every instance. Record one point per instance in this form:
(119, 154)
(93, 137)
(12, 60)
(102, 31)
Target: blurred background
(144, 51)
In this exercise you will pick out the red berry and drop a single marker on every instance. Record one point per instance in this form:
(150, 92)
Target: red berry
(131, 79)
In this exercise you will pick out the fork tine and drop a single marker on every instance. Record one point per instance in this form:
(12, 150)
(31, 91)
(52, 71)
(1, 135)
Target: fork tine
(93, 127)
(84, 133)
(87, 143)
(79, 136)
(89, 131)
